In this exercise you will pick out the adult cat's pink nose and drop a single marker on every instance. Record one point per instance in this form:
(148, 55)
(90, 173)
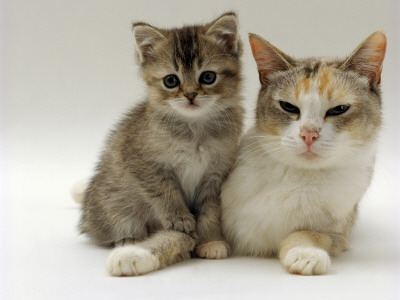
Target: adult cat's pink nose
(309, 136)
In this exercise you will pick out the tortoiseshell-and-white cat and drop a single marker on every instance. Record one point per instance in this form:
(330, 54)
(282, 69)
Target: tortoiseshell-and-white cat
(305, 165)
(156, 190)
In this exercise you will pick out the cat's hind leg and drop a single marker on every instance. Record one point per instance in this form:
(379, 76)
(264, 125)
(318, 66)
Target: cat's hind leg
(306, 253)
(155, 252)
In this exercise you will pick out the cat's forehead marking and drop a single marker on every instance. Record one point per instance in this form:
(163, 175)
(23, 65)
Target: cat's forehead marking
(186, 47)
(318, 79)
(311, 70)
(303, 87)
(325, 82)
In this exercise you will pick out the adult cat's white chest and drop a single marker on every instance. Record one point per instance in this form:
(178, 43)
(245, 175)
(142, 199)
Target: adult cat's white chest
(263, 201)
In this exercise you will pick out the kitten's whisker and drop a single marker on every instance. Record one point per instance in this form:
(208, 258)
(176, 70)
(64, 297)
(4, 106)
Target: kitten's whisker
(228, 120)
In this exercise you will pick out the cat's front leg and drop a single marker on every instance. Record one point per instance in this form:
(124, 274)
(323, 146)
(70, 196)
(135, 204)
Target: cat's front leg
(165, 199)
(306, 253)
(210, 243)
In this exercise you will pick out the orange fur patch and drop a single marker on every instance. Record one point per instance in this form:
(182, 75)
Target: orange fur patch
(303, 86)
(324, 82)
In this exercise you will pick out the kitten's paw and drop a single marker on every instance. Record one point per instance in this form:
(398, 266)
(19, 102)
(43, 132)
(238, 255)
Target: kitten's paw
(131, 261)
(183, 223)
(307, 261)
(213, 250)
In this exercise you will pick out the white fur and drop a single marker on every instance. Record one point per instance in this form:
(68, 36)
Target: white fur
(191, 169)
(264, 200)
(131, 261)
(273, 192)
(204, 106)
(78, 190)
(307, 261)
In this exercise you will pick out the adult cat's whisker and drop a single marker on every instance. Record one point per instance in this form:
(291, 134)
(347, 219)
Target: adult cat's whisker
(265, 145)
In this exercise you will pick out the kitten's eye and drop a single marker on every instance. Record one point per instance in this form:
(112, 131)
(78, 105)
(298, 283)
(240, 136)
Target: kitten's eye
(289, 107)
(338, 110)
(171, 81)
(208, 77)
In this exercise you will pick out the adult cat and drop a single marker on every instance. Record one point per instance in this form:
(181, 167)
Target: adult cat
(305, 165)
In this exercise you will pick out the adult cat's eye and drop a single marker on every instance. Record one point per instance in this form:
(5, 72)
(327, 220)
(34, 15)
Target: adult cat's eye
(286, 106)
(208, 77)
(171, 81)
(338, 110)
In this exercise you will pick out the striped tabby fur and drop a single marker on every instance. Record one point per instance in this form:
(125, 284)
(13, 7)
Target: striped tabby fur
(156, 190)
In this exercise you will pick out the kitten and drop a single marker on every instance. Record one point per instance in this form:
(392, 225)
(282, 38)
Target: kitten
(305, 165)
(156, 191)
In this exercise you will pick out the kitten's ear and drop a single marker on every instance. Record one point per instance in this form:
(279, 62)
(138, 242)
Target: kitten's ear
(225, 29)
(146, 38)
(269, 59)
(367, 59)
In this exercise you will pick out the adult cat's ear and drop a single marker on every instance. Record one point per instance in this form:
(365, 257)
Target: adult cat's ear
(269, 59)
(367, 59)
(225, 29)
(146, 38)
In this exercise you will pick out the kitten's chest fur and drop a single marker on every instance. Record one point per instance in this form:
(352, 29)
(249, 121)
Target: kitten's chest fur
(191, 160)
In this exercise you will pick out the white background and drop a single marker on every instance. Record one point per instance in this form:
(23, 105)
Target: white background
(67, 75)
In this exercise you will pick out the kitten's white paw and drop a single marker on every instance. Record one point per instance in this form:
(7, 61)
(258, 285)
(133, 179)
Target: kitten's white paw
(213, 250)
(307, 261)
(131, 260)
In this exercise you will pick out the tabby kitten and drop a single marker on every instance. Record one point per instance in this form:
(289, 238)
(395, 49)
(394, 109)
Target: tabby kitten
(156, 191)
(303, 168)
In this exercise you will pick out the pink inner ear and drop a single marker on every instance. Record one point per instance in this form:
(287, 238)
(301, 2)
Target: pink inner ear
(378, 39)
(368, 58)
(267, 59)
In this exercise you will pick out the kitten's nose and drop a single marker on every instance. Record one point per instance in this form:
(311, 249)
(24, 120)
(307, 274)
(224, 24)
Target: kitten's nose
(190, 96)
(309, 136)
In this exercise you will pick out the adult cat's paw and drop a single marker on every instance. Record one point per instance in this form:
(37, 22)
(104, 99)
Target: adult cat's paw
(183, 223)
(307, 261)
(213, 250)
(131, 261)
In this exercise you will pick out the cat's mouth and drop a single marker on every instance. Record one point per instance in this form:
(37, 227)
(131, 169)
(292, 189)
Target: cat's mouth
(195, 108)
(192, 105)
(309, 155)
